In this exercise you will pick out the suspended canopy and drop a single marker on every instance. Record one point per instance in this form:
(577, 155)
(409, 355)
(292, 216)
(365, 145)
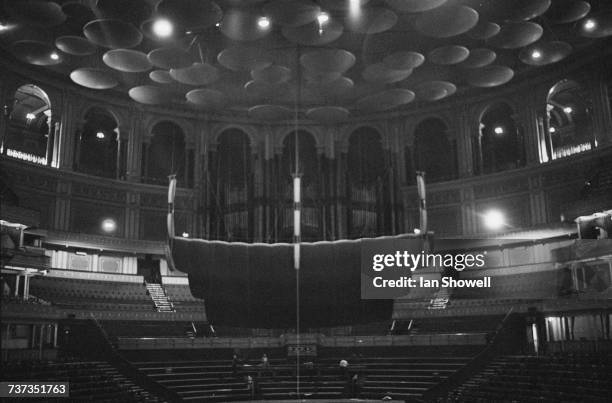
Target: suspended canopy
(254, 285)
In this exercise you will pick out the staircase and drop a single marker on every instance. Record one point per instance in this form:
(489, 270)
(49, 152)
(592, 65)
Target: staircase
(159, 297)
(441, 299)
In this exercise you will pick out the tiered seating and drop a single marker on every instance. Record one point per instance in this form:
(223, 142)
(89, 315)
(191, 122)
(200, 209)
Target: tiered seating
(449, 325)
(569, 378)
(181, 298)
(89, 381)
(136, 328)
(213, 379)
(91, 294)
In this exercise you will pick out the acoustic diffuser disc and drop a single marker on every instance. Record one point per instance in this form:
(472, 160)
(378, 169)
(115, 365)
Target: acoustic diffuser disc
(112, 34)
(36, 52)
(170, 58)
(328, 60)
(75, 45)
(148, 94)
(270, 112)
(414, 6)
(490, 76)
(206, 98)
(127, 60)
(445, 22)
(96, 79)
(403, 60)
(328, 114)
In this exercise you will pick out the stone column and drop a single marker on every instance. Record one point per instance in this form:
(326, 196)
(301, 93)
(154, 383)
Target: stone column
(134, 136)
(600, 111)
(467, 130)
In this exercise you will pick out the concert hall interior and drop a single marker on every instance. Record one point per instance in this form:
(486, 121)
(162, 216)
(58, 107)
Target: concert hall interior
(208, 200)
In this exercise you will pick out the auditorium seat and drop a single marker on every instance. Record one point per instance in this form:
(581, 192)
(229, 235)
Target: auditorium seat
(563, 378)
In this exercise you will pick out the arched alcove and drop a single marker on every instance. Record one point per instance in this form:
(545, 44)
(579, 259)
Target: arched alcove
(366, 183)
(500, 146)
(166, 155)
(434, 152)
(234, 186)
(309, 171)
(97, 144)
(30, 134)
(569, 128)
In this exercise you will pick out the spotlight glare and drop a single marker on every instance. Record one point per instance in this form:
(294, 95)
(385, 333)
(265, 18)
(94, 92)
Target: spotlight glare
(4, 27)
(30, 116)
(552, 130)
(568, 109)
(163, 28)
(185, 234)
(109, 225)
(263, 22)
(536, 54)
(494, 219)
(498, 130)
(322, 18)
(54, 56)
(590, 24)
(100, 135)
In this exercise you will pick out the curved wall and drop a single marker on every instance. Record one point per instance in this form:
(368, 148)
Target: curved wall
(535, 190)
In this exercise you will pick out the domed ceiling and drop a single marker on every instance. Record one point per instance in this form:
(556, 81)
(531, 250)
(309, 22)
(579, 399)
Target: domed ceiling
(331, 58)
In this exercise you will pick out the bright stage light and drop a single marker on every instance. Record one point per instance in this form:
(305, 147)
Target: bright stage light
(494, 219)
(263, 23)
(163, 28)
(109, 225)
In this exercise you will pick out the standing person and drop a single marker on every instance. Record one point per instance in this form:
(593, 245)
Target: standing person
(235, 363)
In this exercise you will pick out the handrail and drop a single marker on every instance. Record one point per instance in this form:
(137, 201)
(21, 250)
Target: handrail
(130, 371)
(472, 367)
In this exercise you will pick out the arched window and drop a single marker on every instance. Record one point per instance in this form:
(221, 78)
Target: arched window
(233, 190)
(30, 133)
(97, 144)
(366, 183)
(166, 155)
(568, 121)
(308, 168)
(434, 153)
(500, 146)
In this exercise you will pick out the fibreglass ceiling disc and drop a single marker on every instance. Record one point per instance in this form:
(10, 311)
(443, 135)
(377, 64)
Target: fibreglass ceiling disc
(317, 77)
(484, 30)
(191, 13)
(242, 25)
(75, 45)
(337, 87)
(385, 100)
(310, 34)
(517, 35)
(479, 58)
(112, 34)
(272, 74)
(328, 114)
(170, 58)
(243, 58)
(270, 112)
(126, 60)
(196, 74)
(601, 26)
(291, 13)
(566, 11)
(206, 98)
(328, 60)
(35, 12)
(523, 10)
(35, 52)
(372, 20)
(447, 55)
(161, 77)
(445, 22)
(434, 90)
(95, 79)
(403, 60)
(148, 94)
(264, 91)
(380, 73)
(414, 6)
(341, 4)
(543, 53)
(490, 76)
